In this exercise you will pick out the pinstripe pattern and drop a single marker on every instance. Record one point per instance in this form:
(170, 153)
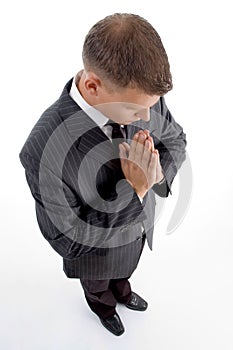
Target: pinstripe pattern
(98, 238)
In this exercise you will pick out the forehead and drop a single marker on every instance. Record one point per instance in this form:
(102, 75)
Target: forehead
(133, 98)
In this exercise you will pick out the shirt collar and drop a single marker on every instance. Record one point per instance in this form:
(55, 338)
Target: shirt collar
(92, 112)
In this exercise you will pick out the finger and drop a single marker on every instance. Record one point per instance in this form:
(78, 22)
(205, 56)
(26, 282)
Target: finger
(123, 156)
(147, 133)
(133, 146)
(151, 146)
(152, 143)
(159, 167)
(122, 151)
(126, 146)
(157, 153)
(146, 155)
(152, 165)
(142, 137)
(139, 149)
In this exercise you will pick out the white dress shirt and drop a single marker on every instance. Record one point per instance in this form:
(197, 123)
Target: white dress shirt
(99, 118)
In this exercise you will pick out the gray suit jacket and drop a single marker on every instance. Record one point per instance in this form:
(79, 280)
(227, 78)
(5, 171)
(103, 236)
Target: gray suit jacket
(85, 208)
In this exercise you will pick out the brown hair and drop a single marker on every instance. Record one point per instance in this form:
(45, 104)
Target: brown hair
(126, 50)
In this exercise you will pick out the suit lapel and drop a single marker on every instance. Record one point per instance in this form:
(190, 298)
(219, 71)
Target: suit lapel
(87, 135)
(84, 132)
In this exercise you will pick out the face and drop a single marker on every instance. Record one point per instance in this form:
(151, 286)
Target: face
(127, 106)
(124, 107)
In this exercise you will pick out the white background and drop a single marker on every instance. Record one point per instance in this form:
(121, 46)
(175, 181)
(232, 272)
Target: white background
(187, 278)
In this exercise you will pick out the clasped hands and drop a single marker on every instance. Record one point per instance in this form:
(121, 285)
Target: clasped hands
(140, 162)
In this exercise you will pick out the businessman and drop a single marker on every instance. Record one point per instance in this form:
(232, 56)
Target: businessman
(97, 157)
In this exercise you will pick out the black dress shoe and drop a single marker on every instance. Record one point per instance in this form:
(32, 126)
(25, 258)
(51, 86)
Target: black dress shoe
(137, 303)
(113, 324)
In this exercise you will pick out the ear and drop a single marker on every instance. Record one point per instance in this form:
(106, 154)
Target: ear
(92, 83)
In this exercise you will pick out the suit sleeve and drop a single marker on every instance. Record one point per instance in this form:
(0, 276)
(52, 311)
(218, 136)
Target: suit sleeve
(171, 147)
(70, 226)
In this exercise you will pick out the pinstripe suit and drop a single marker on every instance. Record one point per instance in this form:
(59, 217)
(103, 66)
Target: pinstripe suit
(94, 224)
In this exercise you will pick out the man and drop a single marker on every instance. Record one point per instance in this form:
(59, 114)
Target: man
(96, 158)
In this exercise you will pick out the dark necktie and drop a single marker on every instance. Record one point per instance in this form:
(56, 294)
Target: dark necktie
(118, 136)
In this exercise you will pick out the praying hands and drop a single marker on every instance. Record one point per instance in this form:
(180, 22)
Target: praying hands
(140, 162)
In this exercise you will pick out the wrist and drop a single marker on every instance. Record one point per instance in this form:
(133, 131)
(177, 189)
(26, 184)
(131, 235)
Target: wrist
(140, 192)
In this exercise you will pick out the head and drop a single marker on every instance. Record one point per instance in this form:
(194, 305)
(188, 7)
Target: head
(126, 68)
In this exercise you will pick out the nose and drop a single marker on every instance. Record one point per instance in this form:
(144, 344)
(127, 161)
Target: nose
(144, 114)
